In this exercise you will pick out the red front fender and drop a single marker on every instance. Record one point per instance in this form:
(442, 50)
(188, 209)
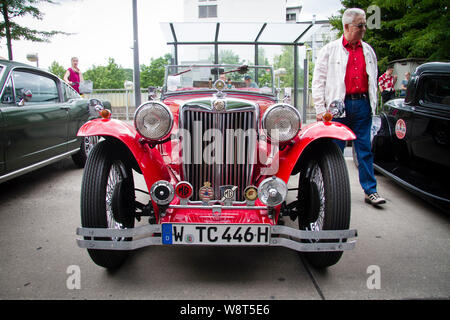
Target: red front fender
(149, 160)
(318, 130)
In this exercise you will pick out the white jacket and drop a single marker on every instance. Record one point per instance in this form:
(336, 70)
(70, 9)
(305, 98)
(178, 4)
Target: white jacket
(329, 75)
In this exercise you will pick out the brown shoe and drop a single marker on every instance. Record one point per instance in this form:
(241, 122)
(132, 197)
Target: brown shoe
(374, 199)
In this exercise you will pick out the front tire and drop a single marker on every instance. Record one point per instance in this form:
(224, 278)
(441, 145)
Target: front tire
(107, 182)
(324, 197)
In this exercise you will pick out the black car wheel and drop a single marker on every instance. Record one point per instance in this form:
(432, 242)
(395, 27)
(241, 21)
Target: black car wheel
(107, 193)
(87, 144)
(324, 197)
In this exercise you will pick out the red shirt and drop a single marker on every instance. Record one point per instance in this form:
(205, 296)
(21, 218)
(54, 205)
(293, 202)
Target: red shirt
(356, 79)
(386, 82)
(75, 78)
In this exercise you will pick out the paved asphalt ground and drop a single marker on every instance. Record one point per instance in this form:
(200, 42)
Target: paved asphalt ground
(408, 240)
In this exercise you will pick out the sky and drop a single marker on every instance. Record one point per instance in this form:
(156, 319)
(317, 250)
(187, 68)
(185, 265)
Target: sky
(104, 28)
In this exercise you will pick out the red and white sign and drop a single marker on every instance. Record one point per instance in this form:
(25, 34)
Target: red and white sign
(400, 129)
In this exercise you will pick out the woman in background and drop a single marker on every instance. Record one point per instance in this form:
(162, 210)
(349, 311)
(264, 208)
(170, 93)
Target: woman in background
(73, 75)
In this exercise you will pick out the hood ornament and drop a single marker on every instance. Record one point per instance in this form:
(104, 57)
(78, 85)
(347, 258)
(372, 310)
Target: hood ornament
(219, 85)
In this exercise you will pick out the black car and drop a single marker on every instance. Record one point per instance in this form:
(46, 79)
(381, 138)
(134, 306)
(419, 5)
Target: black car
(411, 136)
(39, 119)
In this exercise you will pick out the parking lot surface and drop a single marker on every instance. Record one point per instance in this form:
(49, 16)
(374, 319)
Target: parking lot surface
(406, 244)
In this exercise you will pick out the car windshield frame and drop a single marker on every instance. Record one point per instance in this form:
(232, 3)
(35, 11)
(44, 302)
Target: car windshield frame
(237, 84)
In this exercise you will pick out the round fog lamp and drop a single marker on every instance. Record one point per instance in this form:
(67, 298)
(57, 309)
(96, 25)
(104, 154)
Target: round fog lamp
(272, 191)
(162, 192)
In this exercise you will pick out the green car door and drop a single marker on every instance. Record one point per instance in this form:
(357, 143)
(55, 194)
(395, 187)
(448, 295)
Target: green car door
(38, 129)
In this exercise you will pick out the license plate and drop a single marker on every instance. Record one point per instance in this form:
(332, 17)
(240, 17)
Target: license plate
(215, 234)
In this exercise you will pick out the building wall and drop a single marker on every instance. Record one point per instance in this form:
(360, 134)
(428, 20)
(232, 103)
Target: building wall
(238, 10)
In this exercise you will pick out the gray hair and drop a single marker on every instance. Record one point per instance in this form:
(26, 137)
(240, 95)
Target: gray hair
(350, 14)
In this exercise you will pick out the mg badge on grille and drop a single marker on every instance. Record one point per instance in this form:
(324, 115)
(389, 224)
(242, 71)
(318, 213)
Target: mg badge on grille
(206, 193)
(228, 194)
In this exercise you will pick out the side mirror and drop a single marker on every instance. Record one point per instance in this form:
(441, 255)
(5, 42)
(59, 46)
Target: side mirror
(337, 109)
(243, 69)
(25, 96)
(95, 106)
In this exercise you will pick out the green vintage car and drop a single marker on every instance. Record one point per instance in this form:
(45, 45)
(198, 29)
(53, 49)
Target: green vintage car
(39, 119)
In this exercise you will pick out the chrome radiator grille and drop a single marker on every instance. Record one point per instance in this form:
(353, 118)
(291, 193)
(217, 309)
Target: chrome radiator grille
(233, 151)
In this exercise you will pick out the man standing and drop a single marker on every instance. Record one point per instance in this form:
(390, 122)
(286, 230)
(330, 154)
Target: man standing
(386, 82)
(346, 70)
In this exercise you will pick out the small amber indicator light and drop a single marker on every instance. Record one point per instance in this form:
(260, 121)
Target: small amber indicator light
(105, 114)
(327, 117)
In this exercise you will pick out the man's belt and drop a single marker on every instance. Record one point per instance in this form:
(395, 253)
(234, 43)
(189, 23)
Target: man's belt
(357, 96)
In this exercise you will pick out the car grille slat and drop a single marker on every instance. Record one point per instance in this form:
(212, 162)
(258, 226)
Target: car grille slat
(232, 152)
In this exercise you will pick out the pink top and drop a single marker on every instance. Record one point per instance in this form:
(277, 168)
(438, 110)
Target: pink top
(74, 77)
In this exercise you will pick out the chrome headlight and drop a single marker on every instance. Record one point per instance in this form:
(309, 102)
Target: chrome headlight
(281, 122)
(272, 191)
(153, 120)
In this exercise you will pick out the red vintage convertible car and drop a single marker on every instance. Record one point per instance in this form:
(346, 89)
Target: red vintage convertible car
(216, 152)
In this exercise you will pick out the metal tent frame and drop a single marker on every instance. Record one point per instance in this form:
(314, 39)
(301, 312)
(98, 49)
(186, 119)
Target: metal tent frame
(296, 31)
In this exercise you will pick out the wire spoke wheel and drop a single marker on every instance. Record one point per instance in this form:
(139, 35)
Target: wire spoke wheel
(89, 143)
(107, 182)
(114, 177)
(324, 197)
(318, 193)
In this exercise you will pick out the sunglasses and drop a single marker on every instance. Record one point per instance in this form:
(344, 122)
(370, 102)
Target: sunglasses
(360, 26)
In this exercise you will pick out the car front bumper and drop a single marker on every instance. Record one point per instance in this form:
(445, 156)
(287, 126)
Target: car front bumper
(282, 236)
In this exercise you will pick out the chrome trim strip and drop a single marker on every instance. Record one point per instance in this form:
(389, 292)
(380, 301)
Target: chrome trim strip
(35, 166)
(313, 246)
(307, 234)
(120, 245)
(119, 233)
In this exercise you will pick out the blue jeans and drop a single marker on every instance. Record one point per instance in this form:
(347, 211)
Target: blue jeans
(359, 119)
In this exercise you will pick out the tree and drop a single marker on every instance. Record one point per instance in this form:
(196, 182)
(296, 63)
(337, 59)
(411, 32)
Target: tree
(111, 76)
(286, 60)
(12, 31)
(409, 29)
(228, 57)
(153, 74)
(57, 69)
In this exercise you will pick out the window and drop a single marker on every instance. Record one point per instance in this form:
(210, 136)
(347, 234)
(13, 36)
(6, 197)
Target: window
(437, 90)
(291, 17)
(69, 92)
(43, 89)
(8, 94)
(207, 11)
